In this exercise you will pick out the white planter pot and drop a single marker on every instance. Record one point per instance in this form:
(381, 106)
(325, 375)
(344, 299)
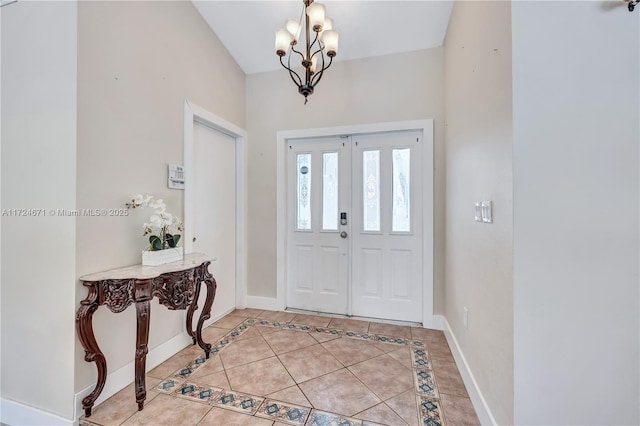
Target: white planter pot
(160, 257)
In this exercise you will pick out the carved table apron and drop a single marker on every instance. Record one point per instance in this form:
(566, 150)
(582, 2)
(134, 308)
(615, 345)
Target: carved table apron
(176, 285)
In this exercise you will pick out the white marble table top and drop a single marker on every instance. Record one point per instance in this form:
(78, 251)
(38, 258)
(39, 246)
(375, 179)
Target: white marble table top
(139, 271)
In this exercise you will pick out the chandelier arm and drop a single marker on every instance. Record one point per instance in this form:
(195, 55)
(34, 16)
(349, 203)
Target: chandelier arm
(299, 53)
(292, 72)
(314, 42)
(319, 74)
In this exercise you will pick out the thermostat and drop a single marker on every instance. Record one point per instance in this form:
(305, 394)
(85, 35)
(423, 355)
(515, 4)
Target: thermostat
(176, 177)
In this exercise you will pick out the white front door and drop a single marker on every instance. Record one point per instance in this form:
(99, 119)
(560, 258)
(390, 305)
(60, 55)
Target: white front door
(318, 190)
(372, 264)
(214, 205)
(387, 226)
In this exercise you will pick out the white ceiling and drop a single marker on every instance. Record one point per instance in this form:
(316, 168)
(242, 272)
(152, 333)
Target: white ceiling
(367, 28)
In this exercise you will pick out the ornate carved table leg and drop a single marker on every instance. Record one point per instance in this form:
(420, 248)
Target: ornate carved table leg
(203, 275)
(92, 352)
(143, 296)
(192, 308)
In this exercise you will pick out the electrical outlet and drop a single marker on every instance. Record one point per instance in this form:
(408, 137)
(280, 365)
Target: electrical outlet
(465, 317)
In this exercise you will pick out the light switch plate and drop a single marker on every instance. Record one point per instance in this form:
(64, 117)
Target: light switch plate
(487, 216)
(478, 212)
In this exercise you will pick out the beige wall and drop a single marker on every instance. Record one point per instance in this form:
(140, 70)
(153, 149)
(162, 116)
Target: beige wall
(479, 258)
(38, 172)
(576, 258)
(405, 86)
(137, 63)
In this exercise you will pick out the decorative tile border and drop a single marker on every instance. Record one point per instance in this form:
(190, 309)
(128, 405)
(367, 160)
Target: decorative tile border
(323, 418)
(198, 393)
(425, 383)
(267, 323)
(429, 409)
(420, 358)
(283, 412)
(359, 335)
(325, 330)
(243, 403)
(430, 412)
(392, 340)
(299, 327)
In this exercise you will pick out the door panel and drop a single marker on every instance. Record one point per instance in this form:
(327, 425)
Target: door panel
(214, 226)
(387, 230)
(318, 184)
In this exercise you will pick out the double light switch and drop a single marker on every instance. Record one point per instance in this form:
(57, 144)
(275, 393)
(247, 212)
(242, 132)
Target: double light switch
(483, 212)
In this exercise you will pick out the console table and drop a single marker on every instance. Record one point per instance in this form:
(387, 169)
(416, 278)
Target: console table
(176, 285)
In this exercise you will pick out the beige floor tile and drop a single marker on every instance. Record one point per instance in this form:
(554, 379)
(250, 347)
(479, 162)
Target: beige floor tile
(458, 411)
(222, 417)
(260, 377)
(245, 351)
(218, 380)
(386, 347)
(175, 363)
(288, 340)
(323, 337)
(314, 320)
(122, 405)
(309, 363)
(248, 312)
(448, 378)
(391, 330)
(277, 316)
(166, 410)
(229, 321)
(349, 324)
(419, 333)
(264, 330)
(339, 392)
(381, 414)
(249, 334)
(440, 351)
(292, 395)
(351, 351)
(405, 406)
(212, 365)
(213, 334)
(402, 355)
(385, 376)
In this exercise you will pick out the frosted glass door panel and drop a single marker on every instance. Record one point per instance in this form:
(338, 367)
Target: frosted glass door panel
(371, 190)
(401, 217)
(304, 192)
(330, 191)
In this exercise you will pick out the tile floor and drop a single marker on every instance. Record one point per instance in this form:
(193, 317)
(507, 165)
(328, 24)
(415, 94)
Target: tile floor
(298, 369)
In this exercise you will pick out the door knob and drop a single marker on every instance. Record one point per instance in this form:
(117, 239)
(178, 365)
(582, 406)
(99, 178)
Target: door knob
(343, 234)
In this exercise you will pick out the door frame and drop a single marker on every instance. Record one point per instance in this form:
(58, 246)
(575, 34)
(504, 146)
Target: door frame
(426, 126)
(196, 114)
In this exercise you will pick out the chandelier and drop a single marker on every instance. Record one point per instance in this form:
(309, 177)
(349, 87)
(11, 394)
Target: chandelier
(318, 46)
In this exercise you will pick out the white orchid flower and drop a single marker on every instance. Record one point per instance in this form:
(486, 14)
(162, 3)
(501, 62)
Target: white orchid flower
(156, 221)
(138, 199)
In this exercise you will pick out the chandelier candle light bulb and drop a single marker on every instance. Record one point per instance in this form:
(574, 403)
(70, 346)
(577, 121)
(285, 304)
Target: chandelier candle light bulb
(317, 47)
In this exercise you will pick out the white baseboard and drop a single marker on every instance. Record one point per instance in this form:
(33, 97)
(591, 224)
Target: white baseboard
(479, 403)
(267, 303)
(436, 322)
(122, 377)
(14, 413)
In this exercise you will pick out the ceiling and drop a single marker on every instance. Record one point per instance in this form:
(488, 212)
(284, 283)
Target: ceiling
(367, 28)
